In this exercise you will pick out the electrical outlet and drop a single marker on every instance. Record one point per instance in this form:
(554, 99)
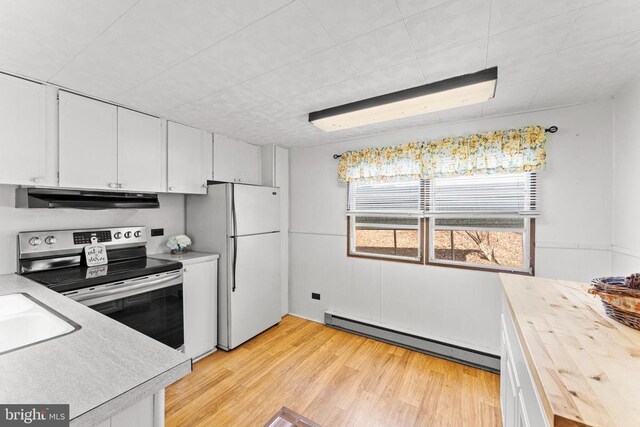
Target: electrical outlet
(315, 296)
(157, 232)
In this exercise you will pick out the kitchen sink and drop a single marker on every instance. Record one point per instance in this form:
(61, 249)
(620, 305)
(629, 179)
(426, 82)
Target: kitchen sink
(25, 321)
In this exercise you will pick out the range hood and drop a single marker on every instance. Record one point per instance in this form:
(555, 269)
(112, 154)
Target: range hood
(83, 199)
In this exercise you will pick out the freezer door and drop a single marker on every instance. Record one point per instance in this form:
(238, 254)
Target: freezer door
(254, 297)
(257, 209)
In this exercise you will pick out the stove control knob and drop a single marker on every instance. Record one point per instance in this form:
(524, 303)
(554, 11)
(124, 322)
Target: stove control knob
(138, 233)
(127, 235)
(117, 235)
(35, 241)
(50, 240)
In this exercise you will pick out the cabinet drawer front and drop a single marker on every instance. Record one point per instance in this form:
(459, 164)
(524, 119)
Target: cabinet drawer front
(88, 143)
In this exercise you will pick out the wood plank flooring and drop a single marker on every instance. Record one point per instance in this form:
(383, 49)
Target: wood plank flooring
(333, 378)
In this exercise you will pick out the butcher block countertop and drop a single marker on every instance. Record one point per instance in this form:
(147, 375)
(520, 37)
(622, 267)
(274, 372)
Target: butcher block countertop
(585, 366)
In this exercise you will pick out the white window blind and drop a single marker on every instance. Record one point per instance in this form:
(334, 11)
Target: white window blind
(402, 198)
(478, 194)
(483, 194)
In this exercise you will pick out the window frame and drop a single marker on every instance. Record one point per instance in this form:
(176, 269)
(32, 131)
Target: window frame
(528, 247)
(395, 258)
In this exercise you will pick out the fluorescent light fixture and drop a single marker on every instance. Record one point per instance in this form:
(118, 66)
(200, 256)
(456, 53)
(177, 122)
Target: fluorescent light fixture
(455, 92)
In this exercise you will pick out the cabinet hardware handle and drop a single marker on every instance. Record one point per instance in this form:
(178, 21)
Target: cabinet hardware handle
(171, 188)
(185, 270)
(119, 185)
(113, 185)
(36, 180)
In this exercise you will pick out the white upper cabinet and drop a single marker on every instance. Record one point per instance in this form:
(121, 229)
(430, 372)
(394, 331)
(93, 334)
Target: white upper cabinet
(187, 169)
(235, 161)
(88, 143)
(23, 144)
(141, 152)
(105, 147)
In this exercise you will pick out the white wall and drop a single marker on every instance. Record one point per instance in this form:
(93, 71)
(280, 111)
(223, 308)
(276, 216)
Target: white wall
(626, 177)
(452, 305)
(169, 216)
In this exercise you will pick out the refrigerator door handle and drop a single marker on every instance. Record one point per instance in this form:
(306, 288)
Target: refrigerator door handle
(235, 240)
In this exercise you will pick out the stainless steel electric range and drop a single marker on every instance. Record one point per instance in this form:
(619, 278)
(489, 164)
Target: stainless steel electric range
(142, 293)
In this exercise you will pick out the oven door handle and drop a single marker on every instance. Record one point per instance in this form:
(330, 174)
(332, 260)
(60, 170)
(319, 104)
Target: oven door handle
(127, 290)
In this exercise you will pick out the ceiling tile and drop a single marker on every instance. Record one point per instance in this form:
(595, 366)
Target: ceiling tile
(318, 70)
(397, 77)
(594, 54)
(238, 98)
(569, 88)
(602, 91)
(511, 98)
(526, 42)
(246, 12)
(152, 98)
(379, 49)
(605, 19)
(449, 24)
(335, 94)
(152, 37)
(624, 71)
(38, 37)
(291, 33)
(345, 20)
(226, 64)
(510, 14)
(411, 7)
(463, 59)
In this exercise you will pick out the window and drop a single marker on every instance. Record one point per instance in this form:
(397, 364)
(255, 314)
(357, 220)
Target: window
(481, 222)
(385, 220)
(390, 237)
(492, 243)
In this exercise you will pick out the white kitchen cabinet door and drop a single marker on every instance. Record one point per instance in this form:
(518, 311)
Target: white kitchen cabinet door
(200, 308)
(23, 145)
(141, 152)
(185, 164)
(88, 143)
(235, 161)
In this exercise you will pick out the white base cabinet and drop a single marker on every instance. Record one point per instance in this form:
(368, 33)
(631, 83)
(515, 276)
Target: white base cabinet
(200, 308)
(200, 299)
(519, 399)
(148, 412)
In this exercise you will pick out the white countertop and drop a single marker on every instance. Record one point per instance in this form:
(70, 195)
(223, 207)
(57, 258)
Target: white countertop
(99, 370)
(187, 258)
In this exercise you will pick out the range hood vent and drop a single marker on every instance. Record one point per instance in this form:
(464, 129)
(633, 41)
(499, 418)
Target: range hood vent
(83, 199)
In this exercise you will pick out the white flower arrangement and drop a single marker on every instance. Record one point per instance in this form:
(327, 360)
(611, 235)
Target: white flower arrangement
(179, 244)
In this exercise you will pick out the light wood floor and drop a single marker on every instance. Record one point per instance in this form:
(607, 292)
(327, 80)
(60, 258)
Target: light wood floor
(335, 379)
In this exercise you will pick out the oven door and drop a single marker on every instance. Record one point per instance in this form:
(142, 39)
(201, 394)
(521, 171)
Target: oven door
(152, 305)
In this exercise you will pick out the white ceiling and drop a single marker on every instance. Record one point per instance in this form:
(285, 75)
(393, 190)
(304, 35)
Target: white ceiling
(254, 69)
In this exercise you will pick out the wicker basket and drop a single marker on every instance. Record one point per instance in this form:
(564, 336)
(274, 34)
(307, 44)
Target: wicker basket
(620, 302)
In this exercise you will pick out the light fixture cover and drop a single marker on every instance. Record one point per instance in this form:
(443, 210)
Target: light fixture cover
(455, 92)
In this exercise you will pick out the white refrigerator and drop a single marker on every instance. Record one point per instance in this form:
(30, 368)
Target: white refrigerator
(242, 224)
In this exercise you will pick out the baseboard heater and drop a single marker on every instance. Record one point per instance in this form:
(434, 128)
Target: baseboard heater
(466, 356)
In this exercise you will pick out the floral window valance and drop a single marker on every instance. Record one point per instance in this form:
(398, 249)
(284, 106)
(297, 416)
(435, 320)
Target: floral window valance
(505, 151)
